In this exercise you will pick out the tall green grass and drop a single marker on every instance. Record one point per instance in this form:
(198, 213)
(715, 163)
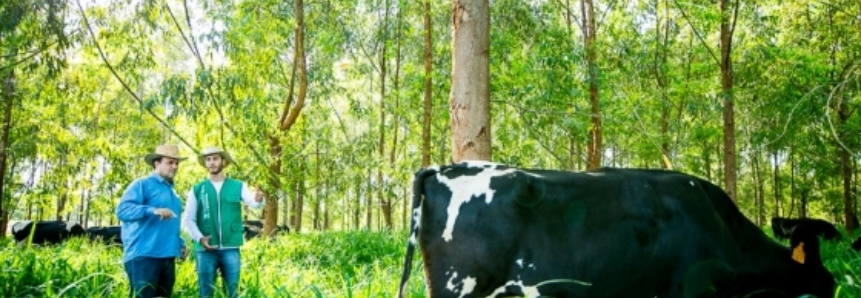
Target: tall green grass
(332, 264)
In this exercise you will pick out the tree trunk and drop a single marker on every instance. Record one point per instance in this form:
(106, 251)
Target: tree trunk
(595, 147)
(726, 32)
(369, 206)
(428, 88)
(776, 178)
(662, 82)
(380, 184)
(285, 211)
(470, 83)
(851, 220)
(803, 208)
(843, 113)
(326, 208)
(270, 208)
(86, 209)
(8, 102)
(388, 204)
(299, 204)
(707, 160)
(289, 115)
(318, 191)
(61, 205)
(758, 196)
(792, 189)
(357, 204)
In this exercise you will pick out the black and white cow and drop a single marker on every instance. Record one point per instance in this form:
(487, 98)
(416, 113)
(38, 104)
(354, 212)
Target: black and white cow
(488, 230)
(783, 227)
(52, 232)
(106, 234)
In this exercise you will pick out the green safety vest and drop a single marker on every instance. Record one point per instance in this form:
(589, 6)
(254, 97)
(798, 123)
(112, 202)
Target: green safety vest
(219, 217)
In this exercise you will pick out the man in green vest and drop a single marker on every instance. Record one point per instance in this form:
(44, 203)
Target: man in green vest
(213, 218)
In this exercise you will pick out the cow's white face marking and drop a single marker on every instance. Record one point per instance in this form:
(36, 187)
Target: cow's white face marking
(463, 188)
(520, 263)
(692, 183)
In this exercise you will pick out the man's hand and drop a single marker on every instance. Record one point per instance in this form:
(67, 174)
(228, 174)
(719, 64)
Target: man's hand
(164, 213)
(205, 242)
(184, 254)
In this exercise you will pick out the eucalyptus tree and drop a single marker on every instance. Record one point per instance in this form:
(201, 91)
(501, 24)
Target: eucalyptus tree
(427, 99)
(470, 80)
(33, 40)
(728, 16)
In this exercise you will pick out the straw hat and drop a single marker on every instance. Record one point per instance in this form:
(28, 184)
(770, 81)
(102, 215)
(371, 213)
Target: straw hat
(166, 150)
(214, 150)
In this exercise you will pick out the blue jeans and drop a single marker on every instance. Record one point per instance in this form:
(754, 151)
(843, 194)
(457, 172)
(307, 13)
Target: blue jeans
(227, 262)
(151, 277)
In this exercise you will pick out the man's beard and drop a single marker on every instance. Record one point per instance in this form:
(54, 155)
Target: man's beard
(216, 171)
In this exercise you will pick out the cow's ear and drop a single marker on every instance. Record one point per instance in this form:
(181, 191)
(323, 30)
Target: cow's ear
(798, 253)
(805, 246)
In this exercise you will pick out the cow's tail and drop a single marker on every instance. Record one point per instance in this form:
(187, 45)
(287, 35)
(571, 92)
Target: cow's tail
(418, 193)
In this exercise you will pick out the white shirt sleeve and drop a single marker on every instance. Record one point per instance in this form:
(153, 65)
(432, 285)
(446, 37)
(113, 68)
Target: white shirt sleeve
(248, 197)
(189, 219)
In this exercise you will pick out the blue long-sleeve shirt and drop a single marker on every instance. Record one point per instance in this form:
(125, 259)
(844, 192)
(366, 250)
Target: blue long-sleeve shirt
(144, 234)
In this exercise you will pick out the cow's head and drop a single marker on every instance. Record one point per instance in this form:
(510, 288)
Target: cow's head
(808, 272)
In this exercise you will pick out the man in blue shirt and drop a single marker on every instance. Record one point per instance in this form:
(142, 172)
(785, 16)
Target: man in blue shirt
(149, 212)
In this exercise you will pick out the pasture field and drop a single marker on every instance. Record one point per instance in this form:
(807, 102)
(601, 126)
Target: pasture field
(332, 264)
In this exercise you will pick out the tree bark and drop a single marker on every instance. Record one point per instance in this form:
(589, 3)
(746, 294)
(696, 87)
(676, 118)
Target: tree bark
(388, 204)
(661, 81)
(428, 87)
(299, 203)
(8, 102)
(470, 83)
(318, 191)
(849, 216)
(270, 209)
(776, 178)
(758, 196)
(726, 32)
(595, 147)
(792, 186)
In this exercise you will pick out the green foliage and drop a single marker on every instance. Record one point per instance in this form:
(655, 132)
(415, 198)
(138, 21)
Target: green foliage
(220, 73)
(355, 264)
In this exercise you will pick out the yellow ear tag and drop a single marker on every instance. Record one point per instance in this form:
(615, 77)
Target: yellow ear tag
(798, 253)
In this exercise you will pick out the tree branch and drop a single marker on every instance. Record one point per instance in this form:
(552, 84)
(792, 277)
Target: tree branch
(697, 33)
(124, 84)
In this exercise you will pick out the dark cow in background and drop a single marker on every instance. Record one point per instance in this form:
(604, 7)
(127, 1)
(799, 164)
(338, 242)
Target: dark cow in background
(106, 234)
(856, 245)
(783, 227)
(253, 229)
(50, 232)
(488, 230)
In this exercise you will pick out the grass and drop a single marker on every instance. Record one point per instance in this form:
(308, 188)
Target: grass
(332, 264)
